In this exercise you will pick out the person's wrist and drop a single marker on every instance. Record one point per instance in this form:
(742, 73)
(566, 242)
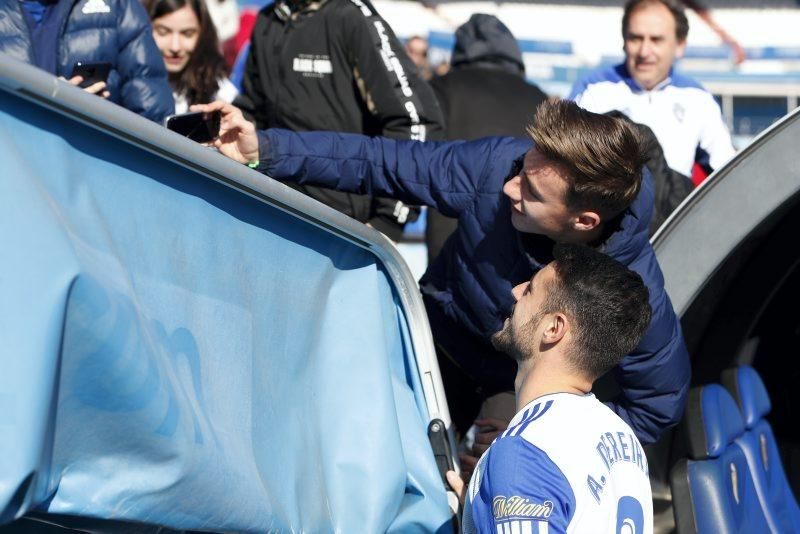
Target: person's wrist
(260, 157)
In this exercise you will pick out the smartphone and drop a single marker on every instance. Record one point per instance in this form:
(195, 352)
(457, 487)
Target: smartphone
(196, 125)
(91, 71)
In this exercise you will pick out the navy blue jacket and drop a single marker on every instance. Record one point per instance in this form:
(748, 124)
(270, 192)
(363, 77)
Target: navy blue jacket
(117, 31)
(467, 290)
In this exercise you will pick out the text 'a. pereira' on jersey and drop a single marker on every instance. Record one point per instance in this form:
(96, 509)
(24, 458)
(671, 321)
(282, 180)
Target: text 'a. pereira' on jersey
(566, 463)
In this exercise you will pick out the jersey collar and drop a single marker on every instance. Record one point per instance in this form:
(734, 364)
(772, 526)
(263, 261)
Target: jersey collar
(550, 396)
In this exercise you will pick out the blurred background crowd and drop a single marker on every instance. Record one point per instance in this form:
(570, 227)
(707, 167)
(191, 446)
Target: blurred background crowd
(435, 69)
(748, 56)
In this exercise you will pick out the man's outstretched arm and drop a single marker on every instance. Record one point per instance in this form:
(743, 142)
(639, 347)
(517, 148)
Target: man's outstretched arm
(449, 176)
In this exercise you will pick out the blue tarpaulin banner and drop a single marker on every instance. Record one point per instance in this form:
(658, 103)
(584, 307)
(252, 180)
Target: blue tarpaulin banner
(176, 352)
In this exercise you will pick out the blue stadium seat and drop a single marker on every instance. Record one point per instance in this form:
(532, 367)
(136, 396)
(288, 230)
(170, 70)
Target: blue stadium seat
(761, 450)
(713, 491)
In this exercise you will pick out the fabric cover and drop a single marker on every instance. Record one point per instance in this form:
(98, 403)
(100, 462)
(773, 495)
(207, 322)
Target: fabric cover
(179, 353)
(485, 40)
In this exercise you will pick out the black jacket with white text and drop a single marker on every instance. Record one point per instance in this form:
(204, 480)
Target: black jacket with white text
(336, 65)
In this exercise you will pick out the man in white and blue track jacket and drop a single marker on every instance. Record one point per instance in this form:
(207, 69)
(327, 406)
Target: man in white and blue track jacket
(566, 463)
(684, 117)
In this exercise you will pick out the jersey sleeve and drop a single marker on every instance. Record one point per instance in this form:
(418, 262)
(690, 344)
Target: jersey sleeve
(520, 489)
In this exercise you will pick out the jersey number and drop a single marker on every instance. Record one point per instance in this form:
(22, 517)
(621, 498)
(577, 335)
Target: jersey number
(630, 516)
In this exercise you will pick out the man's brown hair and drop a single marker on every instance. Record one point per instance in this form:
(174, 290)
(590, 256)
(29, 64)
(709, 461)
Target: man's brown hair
(674, 6)
(601, 156)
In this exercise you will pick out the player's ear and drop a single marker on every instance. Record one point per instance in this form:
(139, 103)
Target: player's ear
(555, 327)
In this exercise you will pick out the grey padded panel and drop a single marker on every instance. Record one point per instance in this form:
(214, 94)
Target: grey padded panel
(719, 215)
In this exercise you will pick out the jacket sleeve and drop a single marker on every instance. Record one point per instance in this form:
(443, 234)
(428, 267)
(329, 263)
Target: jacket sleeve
(449, 176)
(654, 378)
(144, 88)
(395, 94)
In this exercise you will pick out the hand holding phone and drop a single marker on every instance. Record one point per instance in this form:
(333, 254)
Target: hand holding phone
(196, 125)
(237, 139)
(92, 72)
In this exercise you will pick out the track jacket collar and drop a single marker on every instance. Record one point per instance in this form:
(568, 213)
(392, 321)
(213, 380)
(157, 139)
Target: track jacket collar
(624, 75)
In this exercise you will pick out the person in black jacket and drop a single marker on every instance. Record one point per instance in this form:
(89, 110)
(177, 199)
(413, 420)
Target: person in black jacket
(483, 94)
(336, 65)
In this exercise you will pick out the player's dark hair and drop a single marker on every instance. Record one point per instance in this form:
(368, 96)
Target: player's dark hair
(675, 7)
(606, 303)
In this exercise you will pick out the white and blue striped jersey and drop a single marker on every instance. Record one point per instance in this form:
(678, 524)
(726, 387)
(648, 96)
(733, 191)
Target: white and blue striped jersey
(684, 116)
(566, 463)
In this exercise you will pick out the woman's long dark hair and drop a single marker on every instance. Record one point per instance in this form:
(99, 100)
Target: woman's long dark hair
(199, 80)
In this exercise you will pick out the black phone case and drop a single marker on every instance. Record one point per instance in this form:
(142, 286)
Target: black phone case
(91, 72)
(195, 126)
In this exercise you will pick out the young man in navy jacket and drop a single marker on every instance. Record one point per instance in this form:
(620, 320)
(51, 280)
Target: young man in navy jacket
(578, 181)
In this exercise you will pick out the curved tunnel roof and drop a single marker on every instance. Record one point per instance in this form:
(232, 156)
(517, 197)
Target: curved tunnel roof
(719, 216)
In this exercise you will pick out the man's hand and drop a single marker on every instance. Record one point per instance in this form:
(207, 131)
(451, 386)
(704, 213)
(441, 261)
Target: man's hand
(468, 463)
(458, 485)
(237, 136)
(490, 428)
(98, 88)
